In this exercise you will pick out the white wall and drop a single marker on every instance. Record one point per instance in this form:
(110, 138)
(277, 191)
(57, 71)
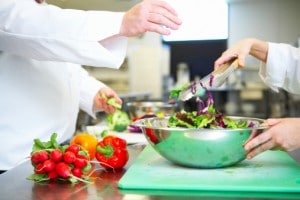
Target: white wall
(272, 20)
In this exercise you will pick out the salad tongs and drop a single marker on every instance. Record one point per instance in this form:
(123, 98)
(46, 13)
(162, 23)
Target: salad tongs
(212, 80)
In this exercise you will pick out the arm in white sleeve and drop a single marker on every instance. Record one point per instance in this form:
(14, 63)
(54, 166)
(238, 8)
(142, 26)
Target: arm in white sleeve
(282, 69)
(46, 32)
(89, 87)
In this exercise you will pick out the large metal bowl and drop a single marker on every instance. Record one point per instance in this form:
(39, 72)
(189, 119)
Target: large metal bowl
(142, 108)
(199, 148)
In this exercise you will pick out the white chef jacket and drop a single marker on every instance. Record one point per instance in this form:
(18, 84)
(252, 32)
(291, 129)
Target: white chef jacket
(42, 83)
(282, 69)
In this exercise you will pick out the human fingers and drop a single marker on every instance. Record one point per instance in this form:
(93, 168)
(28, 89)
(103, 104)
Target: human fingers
(104, 106)
(162, 20)
(163, 4)
(241, 60)
(258, 141)
(253, 134)
(163, 14)
(225, 58)
(154, 16)
(112, 94)
(108, 108)
(104, 96)
(240, 50)
(268, 123)
(260, 148)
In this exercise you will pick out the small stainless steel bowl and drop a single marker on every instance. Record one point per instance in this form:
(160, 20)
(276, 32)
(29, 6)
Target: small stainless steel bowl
(158, 108)
(199, 148)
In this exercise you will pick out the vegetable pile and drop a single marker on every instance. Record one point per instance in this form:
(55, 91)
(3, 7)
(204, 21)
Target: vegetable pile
(207, 116)
(72, 163)
(52, 162)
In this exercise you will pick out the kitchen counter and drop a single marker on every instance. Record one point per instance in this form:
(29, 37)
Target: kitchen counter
(14, 185)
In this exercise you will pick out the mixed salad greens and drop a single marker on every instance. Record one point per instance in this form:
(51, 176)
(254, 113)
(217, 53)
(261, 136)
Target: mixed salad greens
(207, 116)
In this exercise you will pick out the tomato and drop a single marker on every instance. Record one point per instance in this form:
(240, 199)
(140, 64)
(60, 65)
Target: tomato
(87, 142)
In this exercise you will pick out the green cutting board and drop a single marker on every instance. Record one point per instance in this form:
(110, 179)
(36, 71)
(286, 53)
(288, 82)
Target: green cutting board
(271, 171)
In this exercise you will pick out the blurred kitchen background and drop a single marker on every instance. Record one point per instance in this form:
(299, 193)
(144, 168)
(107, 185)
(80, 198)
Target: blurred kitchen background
(154, 65)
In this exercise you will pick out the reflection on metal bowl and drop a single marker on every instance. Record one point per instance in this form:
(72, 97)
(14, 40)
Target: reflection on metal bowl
(158, 108)
(199, 148)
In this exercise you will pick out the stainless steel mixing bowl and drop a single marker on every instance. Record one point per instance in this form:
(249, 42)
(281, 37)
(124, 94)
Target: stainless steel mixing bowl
(158, 108)
(199, 148)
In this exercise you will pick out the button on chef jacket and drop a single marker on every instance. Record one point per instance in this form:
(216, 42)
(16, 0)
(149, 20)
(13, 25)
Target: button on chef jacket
(42, 83)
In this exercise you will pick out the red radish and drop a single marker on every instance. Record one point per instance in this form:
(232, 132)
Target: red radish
(48, 165)
(69, 157)
(63, 170)
(52, 175)
(39, 156)
(56, 155)
(77, 172)
(39, 169)
(35, 158)
(73, 148)
(80, 161)
(53, 162)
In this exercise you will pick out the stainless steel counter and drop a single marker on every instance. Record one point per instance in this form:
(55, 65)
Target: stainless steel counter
(15, 186)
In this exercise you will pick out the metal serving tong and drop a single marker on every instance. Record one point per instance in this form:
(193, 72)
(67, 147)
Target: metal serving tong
(212, 80)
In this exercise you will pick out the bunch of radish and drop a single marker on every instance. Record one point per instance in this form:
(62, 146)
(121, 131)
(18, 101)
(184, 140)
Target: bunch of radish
(53, 162)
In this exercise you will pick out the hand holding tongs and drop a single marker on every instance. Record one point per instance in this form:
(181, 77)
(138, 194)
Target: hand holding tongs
(212, 80)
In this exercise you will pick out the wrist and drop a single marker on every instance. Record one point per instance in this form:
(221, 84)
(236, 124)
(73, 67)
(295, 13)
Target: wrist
(258, 49)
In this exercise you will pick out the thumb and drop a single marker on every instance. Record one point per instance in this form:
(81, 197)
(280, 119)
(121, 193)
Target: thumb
(241, 61)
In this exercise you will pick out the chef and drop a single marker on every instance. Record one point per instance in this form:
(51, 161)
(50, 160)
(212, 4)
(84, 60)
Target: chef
(42, 83)
(280, 69)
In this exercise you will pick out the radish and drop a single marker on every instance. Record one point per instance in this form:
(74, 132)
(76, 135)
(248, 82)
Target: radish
(56, 155)
(73, 148)
(63, 170)
(39, 156)
(77, 172)
(39, 169)
(53, 162)
(69, 157)
(52, 175)
(80, 161)
(48, 165)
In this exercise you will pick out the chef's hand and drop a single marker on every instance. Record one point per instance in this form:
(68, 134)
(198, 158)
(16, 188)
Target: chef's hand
(149, 15)
(282, 134)
(101, 97)
(243, 48)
